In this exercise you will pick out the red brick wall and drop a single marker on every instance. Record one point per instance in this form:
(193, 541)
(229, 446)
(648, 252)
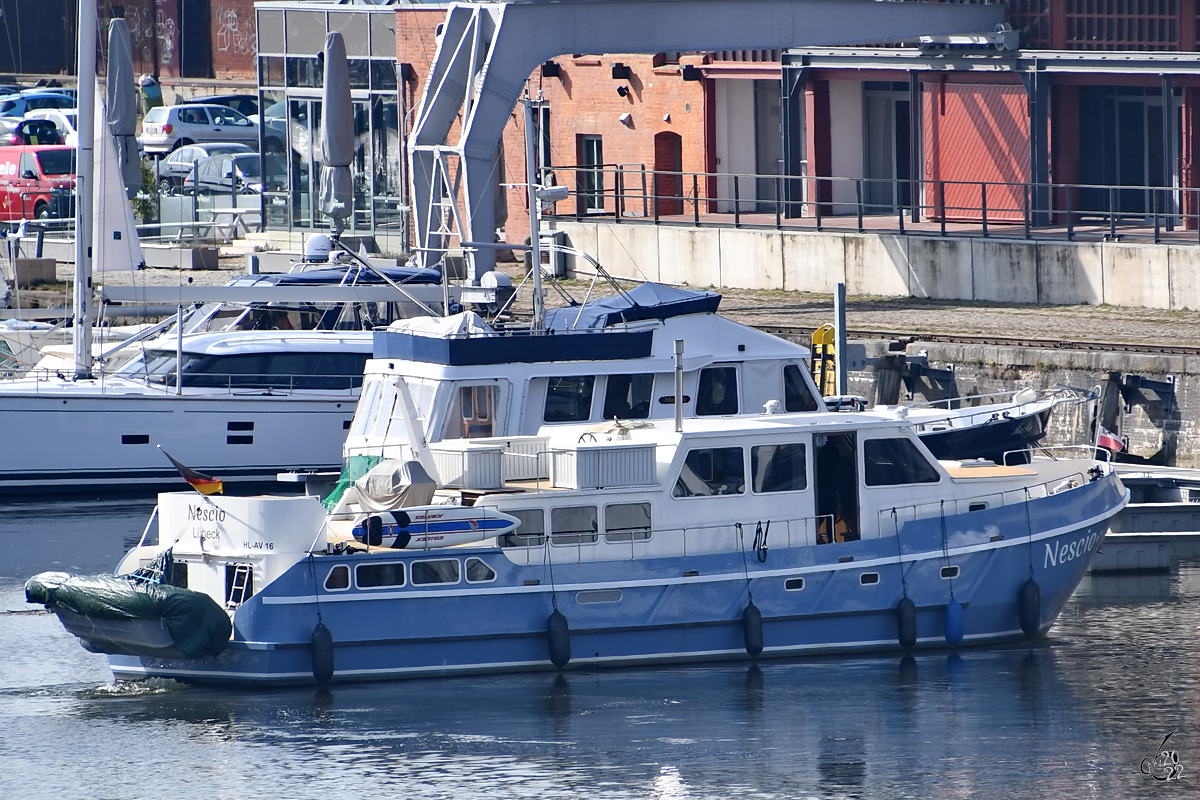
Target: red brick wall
(234, 38)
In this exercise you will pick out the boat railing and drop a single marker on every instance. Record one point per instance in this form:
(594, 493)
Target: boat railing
(337, 384)
(749, 537)
(890, 520)
(1057, 452)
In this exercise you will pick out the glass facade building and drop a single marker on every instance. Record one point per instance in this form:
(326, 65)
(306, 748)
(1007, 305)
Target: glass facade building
(291, 39)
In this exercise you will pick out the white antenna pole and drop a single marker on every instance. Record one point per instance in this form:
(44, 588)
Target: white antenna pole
(535, 219)
(86, 99)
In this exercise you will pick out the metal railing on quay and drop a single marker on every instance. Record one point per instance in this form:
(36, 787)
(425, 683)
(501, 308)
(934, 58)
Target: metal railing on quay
(635, 194)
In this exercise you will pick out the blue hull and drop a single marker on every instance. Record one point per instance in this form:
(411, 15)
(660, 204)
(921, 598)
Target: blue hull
(682, 608)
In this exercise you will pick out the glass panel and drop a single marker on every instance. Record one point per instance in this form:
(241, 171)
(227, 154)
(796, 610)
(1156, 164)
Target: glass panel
(383, 76)
(569, 399)
(779, 467)
(354, 29)
(441, 571)
(304, 72)
(573, 525)
(360, 73)
(718, 392)
(893, 462)
(531, 532)
(361, 167)
(383, 35)
(590, 175)
(479, 572)
(628, 396)
(796, 394)
(305, 32)
(627, 521)
(270, 32)
(386, 161)
(302, 138)
(712, 471)
(338, 578)
(271, 71)
(371, 576)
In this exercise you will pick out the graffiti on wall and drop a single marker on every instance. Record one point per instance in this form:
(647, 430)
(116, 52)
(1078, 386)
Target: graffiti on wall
(235, 33)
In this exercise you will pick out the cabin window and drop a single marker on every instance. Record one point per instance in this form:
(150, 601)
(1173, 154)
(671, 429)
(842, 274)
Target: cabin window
(779, 467)
(338, 579)
(473, 414)
(569, 399)
(717, 393)
(478, 571)
(796, 394)
(375, 576)
(573, 525)
(531, 530)
(628, 396)
(442, 570)
(712, 471)
(275, 370)
(368, 406)
(894, 462)
(626, 522)
(793, 584)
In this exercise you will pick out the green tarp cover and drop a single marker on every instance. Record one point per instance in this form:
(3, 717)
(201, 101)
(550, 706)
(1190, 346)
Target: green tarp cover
(354, 468)
(198, 626)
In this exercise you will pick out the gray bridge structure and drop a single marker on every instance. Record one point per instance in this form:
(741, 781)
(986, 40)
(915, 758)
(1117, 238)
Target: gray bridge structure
(487, 51)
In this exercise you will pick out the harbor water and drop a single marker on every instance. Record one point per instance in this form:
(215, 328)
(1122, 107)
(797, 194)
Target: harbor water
(1083, 713)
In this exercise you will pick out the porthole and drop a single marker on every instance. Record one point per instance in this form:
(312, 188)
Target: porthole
(949, 572)
(868, 578)
(793, 584)
(598, 596)
(976, 506)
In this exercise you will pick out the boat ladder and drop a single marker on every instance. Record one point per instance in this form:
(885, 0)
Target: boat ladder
(239, 587)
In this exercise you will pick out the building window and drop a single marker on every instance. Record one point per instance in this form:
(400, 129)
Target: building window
(590, 174)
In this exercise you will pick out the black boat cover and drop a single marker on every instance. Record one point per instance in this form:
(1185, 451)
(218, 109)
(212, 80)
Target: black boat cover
(198, 626)
(649, 301)
(334, 276)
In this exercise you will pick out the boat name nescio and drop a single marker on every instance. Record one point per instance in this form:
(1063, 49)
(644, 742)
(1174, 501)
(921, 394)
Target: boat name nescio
(1057, 555)
(204, 514)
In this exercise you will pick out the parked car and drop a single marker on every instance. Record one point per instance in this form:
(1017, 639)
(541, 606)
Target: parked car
(18, 105)
(167, 127)
(240, 172)
(36, 181)
(245, 103)
(14, 130)
(63, 120)
(178, 165)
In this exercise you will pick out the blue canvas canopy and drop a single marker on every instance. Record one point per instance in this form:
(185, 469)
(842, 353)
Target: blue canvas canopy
(332, 276)
(646, 301)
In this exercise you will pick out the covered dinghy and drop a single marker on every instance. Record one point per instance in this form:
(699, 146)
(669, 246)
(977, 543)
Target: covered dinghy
(647, 301)
(122, 614)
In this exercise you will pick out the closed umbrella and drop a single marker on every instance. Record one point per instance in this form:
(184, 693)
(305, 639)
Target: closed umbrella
(123, 105)
(337, 135)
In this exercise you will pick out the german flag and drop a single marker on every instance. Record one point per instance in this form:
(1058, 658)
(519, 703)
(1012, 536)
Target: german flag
(204, 484)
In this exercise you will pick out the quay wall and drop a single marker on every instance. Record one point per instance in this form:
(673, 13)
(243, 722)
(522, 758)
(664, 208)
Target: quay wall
(890, 265)
(1160, 427)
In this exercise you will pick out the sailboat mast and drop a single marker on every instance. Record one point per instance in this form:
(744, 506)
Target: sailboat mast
(86, 101)
(535, 220)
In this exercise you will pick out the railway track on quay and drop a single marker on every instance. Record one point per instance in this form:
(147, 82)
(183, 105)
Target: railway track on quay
(1083, 345)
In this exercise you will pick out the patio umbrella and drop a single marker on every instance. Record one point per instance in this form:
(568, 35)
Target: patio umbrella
(123, 104)
(337, 134)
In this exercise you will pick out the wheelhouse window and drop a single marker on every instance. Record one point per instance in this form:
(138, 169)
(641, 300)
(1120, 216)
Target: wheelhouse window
(796, 394)
(718, 392)
(625, 522)
(531, 532)
(442, 570)
(473, 413)
(779, 468)
(375, 576)
(711, 471)
(573, 525)
(569, 399)
(478, 571)
(338, 578)
(895, 462)
(628, 396)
